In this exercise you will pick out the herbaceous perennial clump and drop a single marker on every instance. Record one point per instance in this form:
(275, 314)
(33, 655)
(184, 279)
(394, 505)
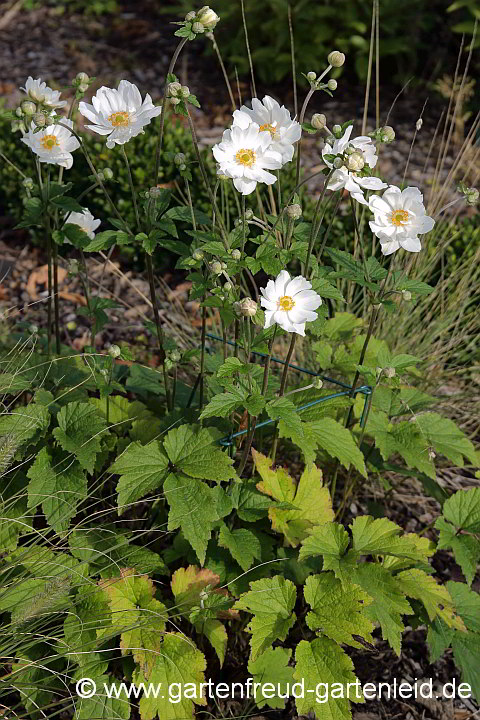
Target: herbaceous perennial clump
(181, 452)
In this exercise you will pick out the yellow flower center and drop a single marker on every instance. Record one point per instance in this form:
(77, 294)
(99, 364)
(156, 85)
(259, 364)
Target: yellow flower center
(285, 303)
(49, 142)
(245, 157)
(120, 119)
(268, 128)
(399, 217)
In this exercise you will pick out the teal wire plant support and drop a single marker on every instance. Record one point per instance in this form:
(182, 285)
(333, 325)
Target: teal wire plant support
(365, 390)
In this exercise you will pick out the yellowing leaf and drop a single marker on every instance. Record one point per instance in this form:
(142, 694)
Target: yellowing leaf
(312, 501)
(271, 601)
(137, 615)
(417, 584)
(327, 674)
(337, 609)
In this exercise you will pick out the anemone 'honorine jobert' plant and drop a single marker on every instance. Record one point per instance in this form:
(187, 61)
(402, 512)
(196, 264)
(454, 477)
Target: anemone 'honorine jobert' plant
(399, 218)
(290, 302)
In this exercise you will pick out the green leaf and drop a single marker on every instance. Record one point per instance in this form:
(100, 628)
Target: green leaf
(100, 706)
(324, 659)
(326, 289)
(463, 510)
(249, 503)
(108, 550)
(272, 667)
(389, 603)
(271, 602)
(101, 241)
(415, 583)
(179, 665)
(137, 616)
(78, 237)
(191, 450)
(380, 536)
(338, 609)
(24, 425)
(192, 509)
(68, 204)
(80, 431)
(223, 404)
(59, 488)
(466, 548)
(330, 540)
(183, 213)
(142, 469)
(466, 653)
(338, 442)
(243, 545)
(447, 439)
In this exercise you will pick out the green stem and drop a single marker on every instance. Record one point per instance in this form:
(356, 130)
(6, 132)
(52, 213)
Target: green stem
(56, 297)
(160, 336)
(170, 70)
(283, 383)
(132, 188)
(315, 229)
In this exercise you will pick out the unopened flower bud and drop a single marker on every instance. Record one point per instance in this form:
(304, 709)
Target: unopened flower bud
(228, 286)
(406, 295)
(34, 329)
(39, 119)
(182, 167)
(356, 162)
(337, 129)
(100, 176)
(73, 267)
(108, 173)
(319, 121)
(431, 455)
(71, 325)
(248, 214)
(114, 351)
(336, 58)
(419, 124)
(174, 88)
(198, 28)
(17, 125)
(168, 364)
(236, 254)
(246, 307)
(317, 383)
(28, 183)
(216, 267)
(19, 112)
(190, 15)
(208, 18)
(175, 100)
(337, 163)
(311, 76)
(82, 78)
(29, 108)
(389, 372)
(83, 87)
(185, 91)
(224, 265)
(198, 255)
(388, 134)
(174, 356)
(471, 196)
(294, 211)
(179, 158)
(155, 192)
(332, 84)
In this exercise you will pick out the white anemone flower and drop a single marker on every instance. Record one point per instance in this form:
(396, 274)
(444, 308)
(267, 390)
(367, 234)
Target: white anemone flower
(39, 92)
(53, 145)
(245, 155)
(85, 222)
(120, 113)
(290, 302)
(364, 153)
(273, 118)
(400, 218)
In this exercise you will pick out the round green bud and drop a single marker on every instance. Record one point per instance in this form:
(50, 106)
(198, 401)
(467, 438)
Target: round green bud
(29, 108)
(114, 351)
(388, 133)
(236, 255)
(174, 88)
(319, 121)
(198, 28)
(182, 167)
(175, 100)
(155, 192)
(332, 84)
(82, 77)
(228, 286)
(108, 173)
(185, 91)
(246, 307)
(216, 267)
(336, 58)
(471, 196)
(39, 119)
(34, 329)
(389, 372)
(317, 383)
(101, 176)
(19, 112)
(83, 87)
(190, 15)
(207, 17)
(198, 255)
(356, 162)
(175, 356)
(224, 265)
(168, 364)
(294, 211)
(179, 158)
(337, 129)
(248, 214)
(406, 295)
(338, 163)
(311, 76)
(28, 183)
